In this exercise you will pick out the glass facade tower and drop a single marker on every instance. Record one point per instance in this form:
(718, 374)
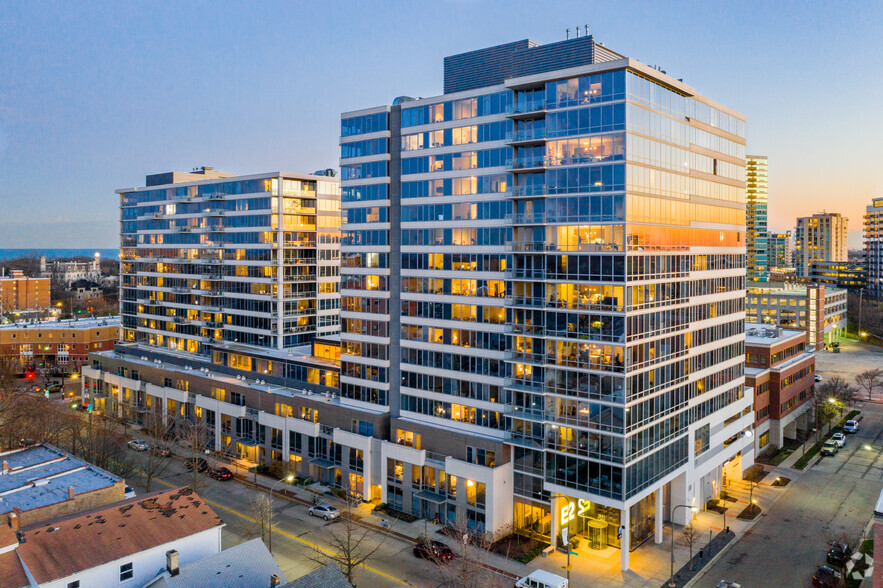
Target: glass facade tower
(550, 263)
(873, 237)
(758, 260)
(251, 260)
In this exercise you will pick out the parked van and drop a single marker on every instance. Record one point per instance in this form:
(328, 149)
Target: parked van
(541, 579)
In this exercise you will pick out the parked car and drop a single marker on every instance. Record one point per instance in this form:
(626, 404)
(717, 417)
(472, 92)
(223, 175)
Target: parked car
(818, 378)
(850, 426)
(138, 445)
(220, 473)
(325, 511)
(725, 584)
(830, 448)
(160, 451)
(826, 577)
(55, 388)
(838, 553)
(839, 439)
(434, 551)
(129, 492)
(196, 463)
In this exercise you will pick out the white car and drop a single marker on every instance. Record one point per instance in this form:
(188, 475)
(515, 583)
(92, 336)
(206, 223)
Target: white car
(839, 439)
(138, 445)
(850, 427)
(130, 492)
(325, 511)
(818, 378)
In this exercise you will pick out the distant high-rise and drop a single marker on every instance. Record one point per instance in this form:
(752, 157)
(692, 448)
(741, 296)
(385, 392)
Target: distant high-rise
(820, 237)
(780, 250)
(874, 247)
(757, 261)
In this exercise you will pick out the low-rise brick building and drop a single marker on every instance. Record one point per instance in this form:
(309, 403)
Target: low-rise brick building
(61, 343)
(780, 366)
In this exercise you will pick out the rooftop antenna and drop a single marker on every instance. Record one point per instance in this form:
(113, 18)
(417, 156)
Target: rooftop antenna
(568, 33)
(577, 32)
(587, 30)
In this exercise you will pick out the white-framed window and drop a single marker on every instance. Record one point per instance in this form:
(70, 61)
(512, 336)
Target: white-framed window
(74, 584)
(127, 572)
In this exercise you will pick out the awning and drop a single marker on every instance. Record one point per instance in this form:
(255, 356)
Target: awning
(246, 442)
(325, 464)
(432, 497)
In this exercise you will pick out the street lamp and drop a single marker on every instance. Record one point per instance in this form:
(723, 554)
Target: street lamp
(671, 577)
(289, 478)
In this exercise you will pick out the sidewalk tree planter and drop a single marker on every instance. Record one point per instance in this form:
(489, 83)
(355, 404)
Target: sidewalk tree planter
(715, 505)
(750, 512)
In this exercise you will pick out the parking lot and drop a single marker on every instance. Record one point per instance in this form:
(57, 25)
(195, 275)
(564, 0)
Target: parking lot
(854, 358)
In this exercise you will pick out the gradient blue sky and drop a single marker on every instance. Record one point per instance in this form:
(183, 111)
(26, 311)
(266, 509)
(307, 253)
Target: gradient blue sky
(94, 95)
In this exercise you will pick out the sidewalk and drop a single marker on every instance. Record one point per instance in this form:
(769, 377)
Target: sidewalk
(410, 532)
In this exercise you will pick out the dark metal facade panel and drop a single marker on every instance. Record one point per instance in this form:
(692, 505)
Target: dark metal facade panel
(494, 65)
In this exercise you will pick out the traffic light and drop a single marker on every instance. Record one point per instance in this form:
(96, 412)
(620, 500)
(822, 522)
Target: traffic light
(79, 311)
(30, 375)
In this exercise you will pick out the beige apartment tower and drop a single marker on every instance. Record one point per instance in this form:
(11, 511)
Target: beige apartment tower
(820, 237)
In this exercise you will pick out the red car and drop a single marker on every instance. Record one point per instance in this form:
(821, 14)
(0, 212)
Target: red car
(220, 474)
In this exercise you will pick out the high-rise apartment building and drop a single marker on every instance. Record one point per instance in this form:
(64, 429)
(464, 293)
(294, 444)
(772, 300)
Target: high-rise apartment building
(820, 237)
(781, 250)
(543, 285)
(208, 259)
(874, 247)
(758, 260)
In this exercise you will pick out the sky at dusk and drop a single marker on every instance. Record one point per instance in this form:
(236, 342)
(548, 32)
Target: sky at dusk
(95, 95)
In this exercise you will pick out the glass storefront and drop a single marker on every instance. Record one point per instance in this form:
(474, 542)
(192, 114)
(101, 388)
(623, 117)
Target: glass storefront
(596, 526)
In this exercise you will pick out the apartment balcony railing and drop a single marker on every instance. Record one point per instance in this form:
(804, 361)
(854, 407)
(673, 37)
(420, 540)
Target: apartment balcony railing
(523, 107)
(529, 191)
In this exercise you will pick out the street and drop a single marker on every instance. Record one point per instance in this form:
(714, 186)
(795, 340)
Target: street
(296, 534)
(832, 499)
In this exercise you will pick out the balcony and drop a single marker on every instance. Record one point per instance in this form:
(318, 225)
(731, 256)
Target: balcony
(217, 196)
(537, 358)
(532, 302)
(526, 136)
(216, 212)
(522, 273)
(536, 218)
(527, 164)
(529, 191)
(527, 109)
(530, 246)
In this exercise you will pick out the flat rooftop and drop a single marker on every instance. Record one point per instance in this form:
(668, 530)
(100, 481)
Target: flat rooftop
(789, 289)
(757, 334)
(40, 475)
(86, 323)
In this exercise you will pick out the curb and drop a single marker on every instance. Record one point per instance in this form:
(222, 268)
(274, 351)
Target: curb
(736, 539)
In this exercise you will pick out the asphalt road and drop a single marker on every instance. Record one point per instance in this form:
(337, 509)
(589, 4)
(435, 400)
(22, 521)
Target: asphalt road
(297, 535)
(834, 498)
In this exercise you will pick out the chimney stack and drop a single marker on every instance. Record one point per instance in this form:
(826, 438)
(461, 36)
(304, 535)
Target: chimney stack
(274, 581)
(172, 562)
(5, 467)
(13, 521)
(71, 492)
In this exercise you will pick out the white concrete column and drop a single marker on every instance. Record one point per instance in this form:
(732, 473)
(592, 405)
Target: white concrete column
(557, 502)
(657, 536)
(217, 430)
(625, 526)
(383, 473)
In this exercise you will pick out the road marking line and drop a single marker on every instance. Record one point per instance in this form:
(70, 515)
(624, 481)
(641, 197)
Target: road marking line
(286, 534)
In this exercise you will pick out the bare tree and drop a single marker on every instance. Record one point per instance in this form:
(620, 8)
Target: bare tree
(690, 537)
(823, 409)
(870, 380)
(194, 435)
(263, 514)
(838, 388)
(351, 545)
(152, 463)
(469, 569)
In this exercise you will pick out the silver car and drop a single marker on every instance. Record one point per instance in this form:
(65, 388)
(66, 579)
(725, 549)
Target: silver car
(326, 511)
(138, 445)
